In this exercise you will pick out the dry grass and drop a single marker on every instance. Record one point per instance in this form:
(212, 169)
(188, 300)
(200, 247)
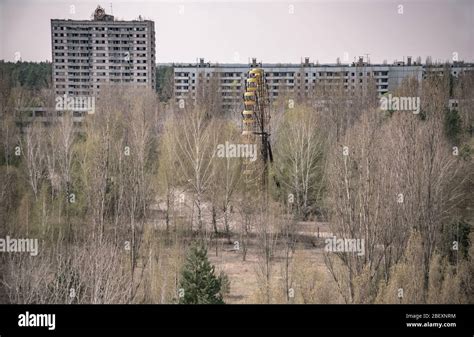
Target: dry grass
(243, 275)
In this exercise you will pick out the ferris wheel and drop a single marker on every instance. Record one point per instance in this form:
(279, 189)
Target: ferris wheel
(256, 127)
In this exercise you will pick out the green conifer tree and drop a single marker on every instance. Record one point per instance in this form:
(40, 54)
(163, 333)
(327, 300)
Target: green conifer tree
(198, 283)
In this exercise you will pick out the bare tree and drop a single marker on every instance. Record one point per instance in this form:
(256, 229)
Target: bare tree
(196, 138)
(34, 156)
(299, 152)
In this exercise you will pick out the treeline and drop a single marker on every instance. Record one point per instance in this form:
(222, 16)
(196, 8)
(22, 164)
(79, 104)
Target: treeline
(29, 75)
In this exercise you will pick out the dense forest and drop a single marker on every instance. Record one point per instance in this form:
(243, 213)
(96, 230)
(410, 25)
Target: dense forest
(29, 75)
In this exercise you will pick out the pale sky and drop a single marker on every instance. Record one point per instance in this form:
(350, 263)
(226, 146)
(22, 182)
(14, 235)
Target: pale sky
(272, 31)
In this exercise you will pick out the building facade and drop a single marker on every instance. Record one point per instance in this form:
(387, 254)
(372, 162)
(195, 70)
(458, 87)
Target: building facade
(88, 54)
(297, 80)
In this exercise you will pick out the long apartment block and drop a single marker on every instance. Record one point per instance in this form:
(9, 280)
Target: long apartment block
(88, 54)
(299, 80)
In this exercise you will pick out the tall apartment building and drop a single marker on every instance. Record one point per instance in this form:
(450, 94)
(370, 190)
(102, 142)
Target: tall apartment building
(88, 54)
(297, 79)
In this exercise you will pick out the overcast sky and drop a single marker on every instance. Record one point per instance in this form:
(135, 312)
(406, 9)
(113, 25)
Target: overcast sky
(272, 31)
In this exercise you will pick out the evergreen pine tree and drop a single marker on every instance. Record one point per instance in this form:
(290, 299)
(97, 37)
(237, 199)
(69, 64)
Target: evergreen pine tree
(198, 281)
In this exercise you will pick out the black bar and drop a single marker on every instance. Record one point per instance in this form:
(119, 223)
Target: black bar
(379, 320)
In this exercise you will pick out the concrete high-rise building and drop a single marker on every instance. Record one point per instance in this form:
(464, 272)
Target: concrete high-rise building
(88, 54)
